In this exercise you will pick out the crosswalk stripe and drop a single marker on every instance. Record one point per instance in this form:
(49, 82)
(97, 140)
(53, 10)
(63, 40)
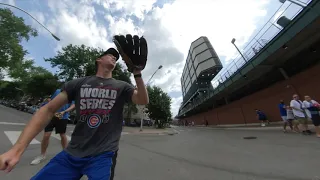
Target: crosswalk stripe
(10, 123)
(14, 135)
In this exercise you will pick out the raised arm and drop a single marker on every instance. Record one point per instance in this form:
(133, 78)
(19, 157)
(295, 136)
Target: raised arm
(38, 122)
(140, 94)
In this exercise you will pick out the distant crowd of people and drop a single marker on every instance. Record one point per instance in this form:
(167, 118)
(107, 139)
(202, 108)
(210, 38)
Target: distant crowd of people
(297, 114)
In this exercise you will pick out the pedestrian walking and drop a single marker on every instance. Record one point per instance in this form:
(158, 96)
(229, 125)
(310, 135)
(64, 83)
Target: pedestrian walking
(99, 102)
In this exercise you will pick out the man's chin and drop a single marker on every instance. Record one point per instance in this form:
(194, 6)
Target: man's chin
(111, 66)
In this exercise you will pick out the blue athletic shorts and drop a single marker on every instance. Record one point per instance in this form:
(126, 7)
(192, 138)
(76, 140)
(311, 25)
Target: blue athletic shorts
(66, 167)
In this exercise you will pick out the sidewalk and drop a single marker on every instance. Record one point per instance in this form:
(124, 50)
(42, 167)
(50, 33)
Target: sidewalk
(148, 130)
(253, 126)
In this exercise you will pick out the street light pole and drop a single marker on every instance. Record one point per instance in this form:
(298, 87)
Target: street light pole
(153, 74)
(54, 36)
(233, 42)
(142, 107)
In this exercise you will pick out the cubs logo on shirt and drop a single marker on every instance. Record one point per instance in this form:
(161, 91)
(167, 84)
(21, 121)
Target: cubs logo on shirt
(94, 121)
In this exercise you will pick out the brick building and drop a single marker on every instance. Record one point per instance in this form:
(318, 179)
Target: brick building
(286, 64)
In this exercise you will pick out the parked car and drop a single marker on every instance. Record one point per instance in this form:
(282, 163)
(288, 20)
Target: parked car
(32, 109)
(22, 106)
(13, 104)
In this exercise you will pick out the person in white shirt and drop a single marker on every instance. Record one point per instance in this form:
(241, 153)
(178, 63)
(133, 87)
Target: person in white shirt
(299, 113)
(290, 119)
(312, 110)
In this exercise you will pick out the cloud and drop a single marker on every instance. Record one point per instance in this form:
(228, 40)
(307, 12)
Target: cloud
(169, 29)
(11, 2)
(130, 7)
(175, 104)
(76, 25)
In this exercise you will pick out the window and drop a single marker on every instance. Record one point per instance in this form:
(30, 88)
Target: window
(199, 49)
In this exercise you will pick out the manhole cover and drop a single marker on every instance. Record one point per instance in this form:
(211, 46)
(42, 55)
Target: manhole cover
(249, 137)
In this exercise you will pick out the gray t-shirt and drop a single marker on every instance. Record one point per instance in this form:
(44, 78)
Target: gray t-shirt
(99, 105)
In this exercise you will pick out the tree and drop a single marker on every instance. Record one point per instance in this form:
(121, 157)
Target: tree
(78, 61)
(8, 90)
(12, 31)
(26, 70)
(38, 82)
(159, 107)
(40, 85)
(75, 61)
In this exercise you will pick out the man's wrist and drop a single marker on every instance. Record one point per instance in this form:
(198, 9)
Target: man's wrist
(18, 149)
(137, 75)
(136, 72)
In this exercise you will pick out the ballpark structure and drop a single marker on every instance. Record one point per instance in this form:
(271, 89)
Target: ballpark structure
(278, 62)
(202, 65)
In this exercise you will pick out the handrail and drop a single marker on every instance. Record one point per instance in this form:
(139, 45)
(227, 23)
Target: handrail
(269, 31)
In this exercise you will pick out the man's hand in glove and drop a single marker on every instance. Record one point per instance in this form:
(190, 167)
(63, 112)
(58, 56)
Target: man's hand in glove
(133, 50)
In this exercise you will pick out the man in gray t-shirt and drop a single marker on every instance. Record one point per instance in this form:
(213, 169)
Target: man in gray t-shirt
(99, 102)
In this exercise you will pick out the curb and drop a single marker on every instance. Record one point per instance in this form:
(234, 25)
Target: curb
(158, 133)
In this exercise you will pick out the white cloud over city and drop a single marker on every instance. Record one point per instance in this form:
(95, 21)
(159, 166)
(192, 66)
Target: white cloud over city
(169, 29)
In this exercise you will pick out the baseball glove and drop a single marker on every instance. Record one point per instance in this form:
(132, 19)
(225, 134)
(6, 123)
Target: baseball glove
(133, 50)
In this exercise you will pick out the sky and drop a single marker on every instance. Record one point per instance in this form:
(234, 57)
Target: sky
(168, 25)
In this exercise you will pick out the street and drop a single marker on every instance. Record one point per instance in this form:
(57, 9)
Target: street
(193, 154)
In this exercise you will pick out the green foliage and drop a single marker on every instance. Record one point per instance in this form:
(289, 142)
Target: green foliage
(12, 31)
(26, 70)
(78, 61)
(41, 85)
(8, 90)
(75, 61)
(121, 74)
(159, 107)
(38, 83)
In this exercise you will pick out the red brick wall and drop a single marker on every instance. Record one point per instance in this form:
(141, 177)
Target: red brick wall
(242, 111)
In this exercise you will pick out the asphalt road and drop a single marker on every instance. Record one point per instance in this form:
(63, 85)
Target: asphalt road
(193, 154)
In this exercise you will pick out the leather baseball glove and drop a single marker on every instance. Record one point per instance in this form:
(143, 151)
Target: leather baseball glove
(133, 50)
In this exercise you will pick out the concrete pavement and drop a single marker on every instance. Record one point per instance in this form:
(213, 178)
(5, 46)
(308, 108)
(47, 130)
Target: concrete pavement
(193, 154)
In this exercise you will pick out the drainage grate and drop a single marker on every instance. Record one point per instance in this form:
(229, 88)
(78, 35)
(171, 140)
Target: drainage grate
(249, 137)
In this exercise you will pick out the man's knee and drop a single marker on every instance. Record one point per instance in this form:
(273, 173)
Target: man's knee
(46, 135)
